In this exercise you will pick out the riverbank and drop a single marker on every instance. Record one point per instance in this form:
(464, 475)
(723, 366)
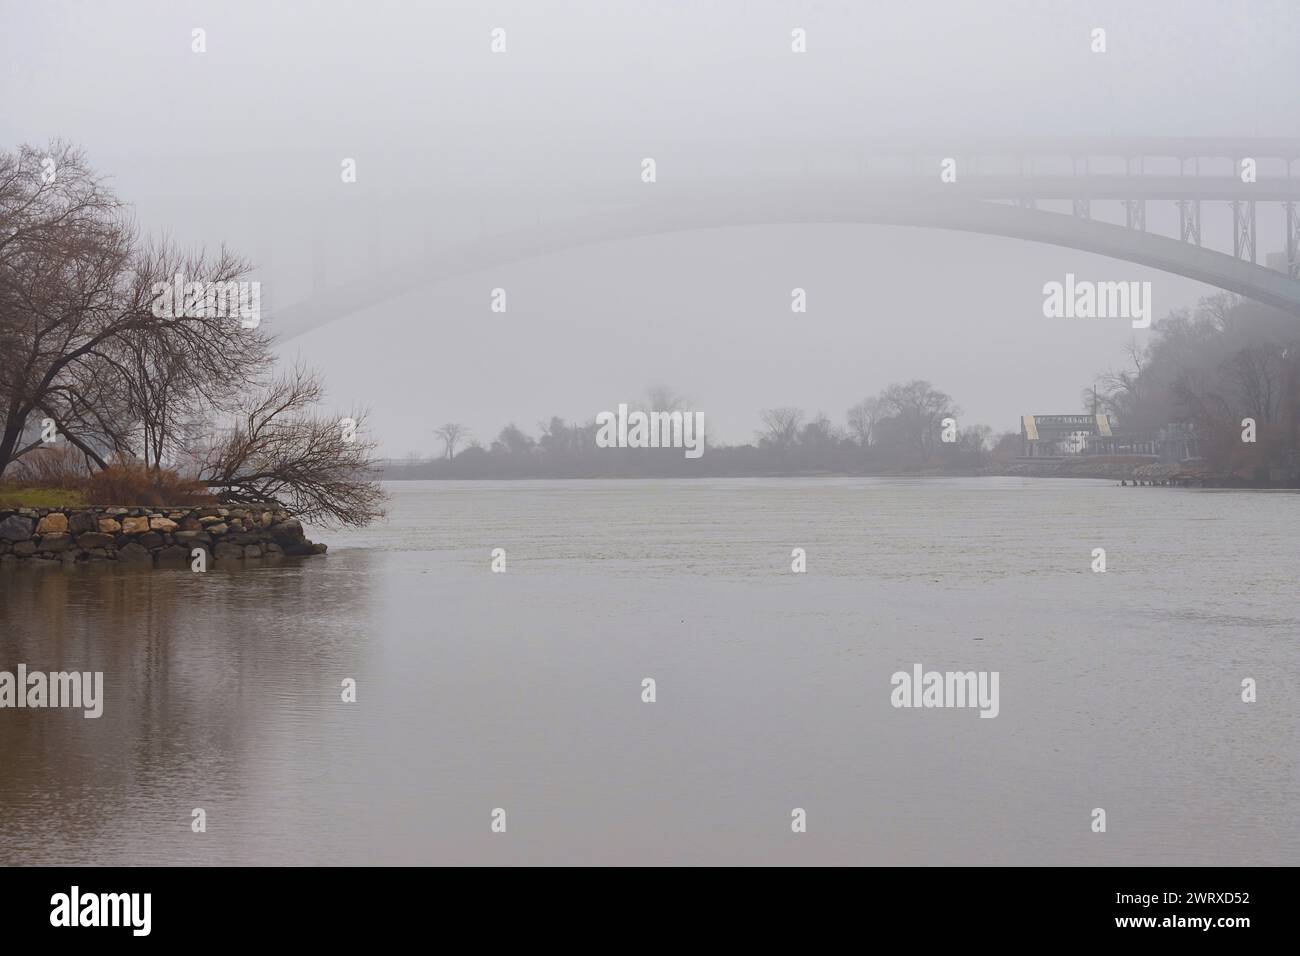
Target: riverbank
(1140, 470)
(149, 536)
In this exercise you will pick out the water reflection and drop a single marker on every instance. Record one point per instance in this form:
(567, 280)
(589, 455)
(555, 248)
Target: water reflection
(195, 667)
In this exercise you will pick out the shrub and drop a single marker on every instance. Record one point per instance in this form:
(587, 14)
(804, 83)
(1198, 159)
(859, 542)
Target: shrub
(58, 466)
(132, 484)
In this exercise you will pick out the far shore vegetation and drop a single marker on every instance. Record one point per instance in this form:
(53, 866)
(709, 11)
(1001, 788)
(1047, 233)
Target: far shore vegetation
(1202, 373)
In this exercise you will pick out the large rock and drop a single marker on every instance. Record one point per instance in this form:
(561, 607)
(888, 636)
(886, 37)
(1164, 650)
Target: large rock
(53, 523)
(174, 555)
(287, 532)
(137, 525)
(191, 538)
(91, 539)
(226, 551)
(24, 549)
(56, 542)
(151, 540)
(133, 552)
(219, 528)
(109, 526)
(162, 524)
(16, 528)
(83, 521)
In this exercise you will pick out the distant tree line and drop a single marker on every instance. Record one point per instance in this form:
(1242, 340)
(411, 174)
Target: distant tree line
(899, 430)
(1210, 369)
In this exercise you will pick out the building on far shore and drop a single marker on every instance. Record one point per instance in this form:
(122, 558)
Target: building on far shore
(1068, 436)
(1059, 436)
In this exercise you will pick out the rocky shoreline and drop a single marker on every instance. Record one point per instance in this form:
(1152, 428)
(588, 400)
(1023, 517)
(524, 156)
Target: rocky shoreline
(148, 536)
(1141, 473)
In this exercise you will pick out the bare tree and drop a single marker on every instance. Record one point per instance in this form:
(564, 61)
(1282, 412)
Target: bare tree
(1121, 392)
(1257, 373)
(918, 410)
(450, 433)
(661, 398)
(280, 450)
(81, 335)
(781, 426)
(863, 418)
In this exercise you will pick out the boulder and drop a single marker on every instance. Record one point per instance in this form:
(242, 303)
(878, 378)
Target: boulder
(190, 523)
(226, 551)
(133, 552)
(252, 551)
(174, 555)
(90, 541)
(109, 526)
(16, 528)
(53, 523)
(219, 528)
(83, 521)
(25, 549)
(55, 542)
(191, 538)
(151, 540)
(137, 525)
(163, 524)
(287, 532)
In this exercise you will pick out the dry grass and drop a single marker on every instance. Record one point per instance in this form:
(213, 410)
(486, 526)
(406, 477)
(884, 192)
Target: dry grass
(24, 496)
(128, 484)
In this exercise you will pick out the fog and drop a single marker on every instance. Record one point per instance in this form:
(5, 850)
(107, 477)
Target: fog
(242, 145)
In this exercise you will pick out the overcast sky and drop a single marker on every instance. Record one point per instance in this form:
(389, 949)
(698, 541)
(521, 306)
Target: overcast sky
(242, 144)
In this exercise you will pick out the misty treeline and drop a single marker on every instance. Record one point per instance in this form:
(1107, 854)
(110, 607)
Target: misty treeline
(92, 380)
(900, 429)
(1212, 367)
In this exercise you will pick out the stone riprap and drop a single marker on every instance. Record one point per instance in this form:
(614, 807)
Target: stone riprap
(154, 536)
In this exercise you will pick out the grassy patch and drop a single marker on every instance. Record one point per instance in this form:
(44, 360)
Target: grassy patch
(14, 496)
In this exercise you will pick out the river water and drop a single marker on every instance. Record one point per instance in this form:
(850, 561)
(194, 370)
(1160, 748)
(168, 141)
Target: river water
(523, 690)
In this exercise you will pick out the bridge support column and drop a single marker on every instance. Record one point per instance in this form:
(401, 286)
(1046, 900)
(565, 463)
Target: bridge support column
(1243, 229)
(1292, 241)
(1189, 220)
(1135, 214)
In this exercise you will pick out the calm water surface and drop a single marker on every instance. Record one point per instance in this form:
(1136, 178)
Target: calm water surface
(523, 690)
